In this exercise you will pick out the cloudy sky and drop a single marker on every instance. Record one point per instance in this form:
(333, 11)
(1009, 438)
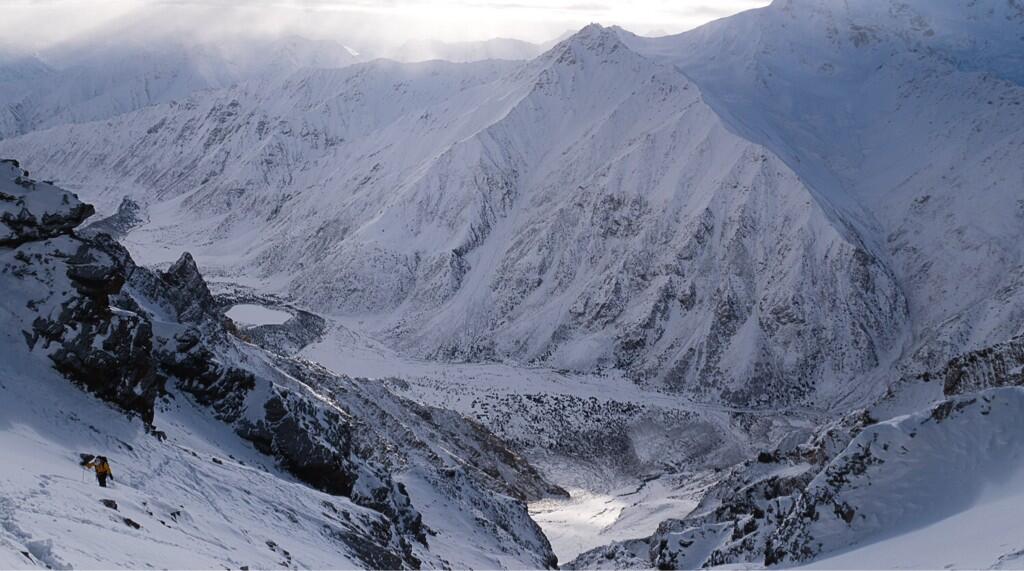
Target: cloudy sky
(37, 23)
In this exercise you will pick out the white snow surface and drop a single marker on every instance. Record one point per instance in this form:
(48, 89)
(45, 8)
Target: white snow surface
(193, 512)
(94, 78)
(570, 427)
(203, 497)
(547, 414)
(907, 117)
(974, 455)
(983, 536)
(949, 475)
(945, 491)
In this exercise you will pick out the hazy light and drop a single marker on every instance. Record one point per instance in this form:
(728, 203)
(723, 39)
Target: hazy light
(33, 24)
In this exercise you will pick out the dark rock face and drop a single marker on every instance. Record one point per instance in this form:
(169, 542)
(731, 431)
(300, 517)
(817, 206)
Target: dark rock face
(198, 374)
(30, 210)
(388, 432)
(121, 371)
(195, 303)
(106, 349)
(281, 432)
(996, 366)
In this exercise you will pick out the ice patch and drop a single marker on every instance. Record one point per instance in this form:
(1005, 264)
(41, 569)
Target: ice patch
(252, 315)
(587, 520)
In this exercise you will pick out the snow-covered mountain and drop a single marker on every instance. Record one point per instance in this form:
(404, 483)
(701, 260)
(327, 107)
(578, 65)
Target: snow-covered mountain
(585, 210)
(907, 113)
(229, 454)
(18, 66)
(94, 80)
(796, 229)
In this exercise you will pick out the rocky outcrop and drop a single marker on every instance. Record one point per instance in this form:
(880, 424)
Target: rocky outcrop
(100, 346)
(995, 366)
(737, 517)
(196, 303)
(31, 210)
(129, 215)
(853, 481)
(130, 335)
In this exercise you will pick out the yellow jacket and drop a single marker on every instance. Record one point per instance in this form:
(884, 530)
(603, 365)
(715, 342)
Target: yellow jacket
(101, 468)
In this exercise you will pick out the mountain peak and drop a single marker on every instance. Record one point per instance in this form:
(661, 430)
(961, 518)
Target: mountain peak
(595, 37)
(591, 40)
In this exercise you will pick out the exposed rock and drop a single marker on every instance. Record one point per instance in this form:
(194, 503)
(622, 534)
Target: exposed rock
(129, 215)
(995, 366)
(194, 302)
(851, 481)
(736, 518)
(31, 210)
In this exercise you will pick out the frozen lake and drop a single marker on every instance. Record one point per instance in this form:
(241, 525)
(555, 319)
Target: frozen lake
(251, 314)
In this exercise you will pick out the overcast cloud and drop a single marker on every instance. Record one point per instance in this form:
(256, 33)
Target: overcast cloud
(35, 24)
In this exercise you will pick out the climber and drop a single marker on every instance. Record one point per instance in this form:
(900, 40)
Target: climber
(102, 468)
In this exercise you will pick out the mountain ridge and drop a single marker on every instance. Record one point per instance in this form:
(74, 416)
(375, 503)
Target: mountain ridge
(576, 88)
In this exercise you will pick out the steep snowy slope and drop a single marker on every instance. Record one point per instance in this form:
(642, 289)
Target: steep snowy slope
(908, 115)
(892, 482)
(202, 498)
(909, 472)
(584, 210)
(360, 476)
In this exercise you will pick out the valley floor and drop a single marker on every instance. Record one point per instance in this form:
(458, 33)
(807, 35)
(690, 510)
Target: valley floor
(604, 507)
(613, 505)
(535, 407)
